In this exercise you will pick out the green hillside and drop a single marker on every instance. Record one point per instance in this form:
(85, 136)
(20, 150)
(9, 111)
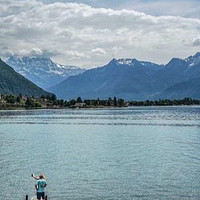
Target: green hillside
(13, 83)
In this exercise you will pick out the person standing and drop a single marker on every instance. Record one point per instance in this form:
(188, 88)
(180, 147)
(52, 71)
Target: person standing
(40, 186)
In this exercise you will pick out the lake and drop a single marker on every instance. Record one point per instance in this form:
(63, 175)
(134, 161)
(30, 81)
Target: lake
(147, 153)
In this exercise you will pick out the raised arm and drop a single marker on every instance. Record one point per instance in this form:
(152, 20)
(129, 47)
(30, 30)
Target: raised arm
(35, 177)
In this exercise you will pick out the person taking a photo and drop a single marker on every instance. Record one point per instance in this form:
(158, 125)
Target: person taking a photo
(40, 186)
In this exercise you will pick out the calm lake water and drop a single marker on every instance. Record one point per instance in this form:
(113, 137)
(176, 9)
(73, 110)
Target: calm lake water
(145, 153)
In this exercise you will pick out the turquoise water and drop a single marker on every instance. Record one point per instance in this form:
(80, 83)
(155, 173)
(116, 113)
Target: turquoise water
(145, 153)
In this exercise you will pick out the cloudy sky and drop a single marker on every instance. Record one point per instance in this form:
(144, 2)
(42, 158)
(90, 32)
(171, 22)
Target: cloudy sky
(89, 33)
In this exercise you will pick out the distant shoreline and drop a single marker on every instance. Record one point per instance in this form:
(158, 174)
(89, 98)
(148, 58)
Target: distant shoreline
(20, 102)
(92, 108)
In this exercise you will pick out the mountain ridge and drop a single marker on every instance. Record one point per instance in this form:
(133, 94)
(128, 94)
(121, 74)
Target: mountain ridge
(129, 79)
(13, 83)
(189, 88)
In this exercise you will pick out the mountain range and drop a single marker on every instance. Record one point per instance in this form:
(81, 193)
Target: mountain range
(42, 70)
(135, 80)
(13, 83)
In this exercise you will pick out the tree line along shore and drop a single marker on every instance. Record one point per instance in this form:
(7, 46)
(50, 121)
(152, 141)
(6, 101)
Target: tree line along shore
(51, 102)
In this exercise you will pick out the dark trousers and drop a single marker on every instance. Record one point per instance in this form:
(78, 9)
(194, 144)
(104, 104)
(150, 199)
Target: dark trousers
(40, 195)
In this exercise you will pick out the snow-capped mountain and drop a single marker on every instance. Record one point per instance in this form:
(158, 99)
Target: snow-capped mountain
(135, 80)
(42, 70)
(135, 62)
(193, 60)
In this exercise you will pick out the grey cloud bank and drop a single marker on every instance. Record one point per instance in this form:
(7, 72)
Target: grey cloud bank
(78, 34)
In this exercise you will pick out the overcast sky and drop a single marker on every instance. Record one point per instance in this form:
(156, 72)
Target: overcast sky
(91, 32)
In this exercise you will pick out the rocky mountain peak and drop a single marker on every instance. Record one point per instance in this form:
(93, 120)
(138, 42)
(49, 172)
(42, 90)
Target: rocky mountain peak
(41, 69)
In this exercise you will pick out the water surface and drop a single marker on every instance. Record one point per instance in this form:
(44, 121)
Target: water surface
(134, 153)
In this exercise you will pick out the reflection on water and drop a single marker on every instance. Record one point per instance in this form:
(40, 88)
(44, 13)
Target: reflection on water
(133, 153)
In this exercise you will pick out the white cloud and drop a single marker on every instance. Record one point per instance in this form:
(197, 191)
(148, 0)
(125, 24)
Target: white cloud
(75, 55)
(79, 34)
(196, 41)
(36, 51)
(98, 51)
(5, 52)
